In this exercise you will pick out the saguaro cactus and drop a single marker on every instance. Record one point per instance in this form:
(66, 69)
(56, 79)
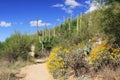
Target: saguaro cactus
(69, 26)
(45, 28)
(37, 32)
(54, 32)
(77, 24)
(39, 37)
(80, 20)
(49, 35)
(90, 21)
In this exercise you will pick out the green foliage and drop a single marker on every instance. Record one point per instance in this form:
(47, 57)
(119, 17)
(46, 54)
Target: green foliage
(48, 43)
(111, 1)
(38, 49)
(17, 46)
(100, 23)
(1, 47)
(111, 23)
(108, 1)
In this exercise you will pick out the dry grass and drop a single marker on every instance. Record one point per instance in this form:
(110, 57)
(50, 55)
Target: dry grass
(103, 74)
(109, 74)
(7, 69)
(106, 74)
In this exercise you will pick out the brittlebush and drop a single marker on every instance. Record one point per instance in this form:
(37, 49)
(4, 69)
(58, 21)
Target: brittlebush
(104, 54)
(55, 63)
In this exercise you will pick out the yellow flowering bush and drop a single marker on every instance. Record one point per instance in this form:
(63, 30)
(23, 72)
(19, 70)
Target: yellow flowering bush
(104, 54)
(115, 54)
(56, 63)
(97, 51)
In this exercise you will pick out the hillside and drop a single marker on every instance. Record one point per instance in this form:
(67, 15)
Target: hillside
(87, 46)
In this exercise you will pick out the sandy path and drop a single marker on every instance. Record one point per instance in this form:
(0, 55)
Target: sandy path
(35, 72)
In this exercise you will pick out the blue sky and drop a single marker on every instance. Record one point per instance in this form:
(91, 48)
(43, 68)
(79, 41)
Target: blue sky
(21, 15)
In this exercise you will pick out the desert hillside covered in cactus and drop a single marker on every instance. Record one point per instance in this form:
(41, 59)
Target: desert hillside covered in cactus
(84, 44)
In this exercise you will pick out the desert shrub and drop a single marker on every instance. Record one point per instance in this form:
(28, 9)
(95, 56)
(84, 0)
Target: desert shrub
(48, 44)
(94, 55)
(1, 48)
(1, 45)
(55, 63)
(115, 57)
(38, 49)
(110, 22)
(17, 46)
(65, 59)
(76, 60)
(104, 55)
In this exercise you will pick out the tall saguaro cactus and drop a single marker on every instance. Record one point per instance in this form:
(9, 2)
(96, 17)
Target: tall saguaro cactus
(77, 24)
(80, 20)
(37, 32)
(54, 32)
(90, 21)
(49, 35)
(43, 34)
(45, 30)
(69, 20)
(39, 37)
(64, 20)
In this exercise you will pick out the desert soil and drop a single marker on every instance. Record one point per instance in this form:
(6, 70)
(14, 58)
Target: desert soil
(36, 71)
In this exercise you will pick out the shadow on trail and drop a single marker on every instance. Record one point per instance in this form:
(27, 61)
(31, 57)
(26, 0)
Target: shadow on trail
(39, 61)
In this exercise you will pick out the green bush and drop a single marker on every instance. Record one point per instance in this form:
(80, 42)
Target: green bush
(17, 46)
(111, 23)
(47, 44)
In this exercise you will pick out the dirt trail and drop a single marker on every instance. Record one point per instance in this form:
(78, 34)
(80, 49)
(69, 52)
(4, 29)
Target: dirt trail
(35, 72)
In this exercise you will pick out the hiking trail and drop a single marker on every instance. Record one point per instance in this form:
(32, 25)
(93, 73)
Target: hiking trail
(36, 71)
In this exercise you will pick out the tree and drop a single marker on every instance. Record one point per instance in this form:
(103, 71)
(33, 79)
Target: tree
(111, 22)
(17, 46)
(111, 1)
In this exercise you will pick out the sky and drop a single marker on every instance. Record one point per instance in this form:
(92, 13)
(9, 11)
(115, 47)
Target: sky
(21, 15)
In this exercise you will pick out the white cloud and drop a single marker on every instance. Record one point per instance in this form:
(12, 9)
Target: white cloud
(58, 5)
(68, 6)
(40, 23)
(87, 2)
(93, 6)
(5, 24)
(68, 10)
(72, 3)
